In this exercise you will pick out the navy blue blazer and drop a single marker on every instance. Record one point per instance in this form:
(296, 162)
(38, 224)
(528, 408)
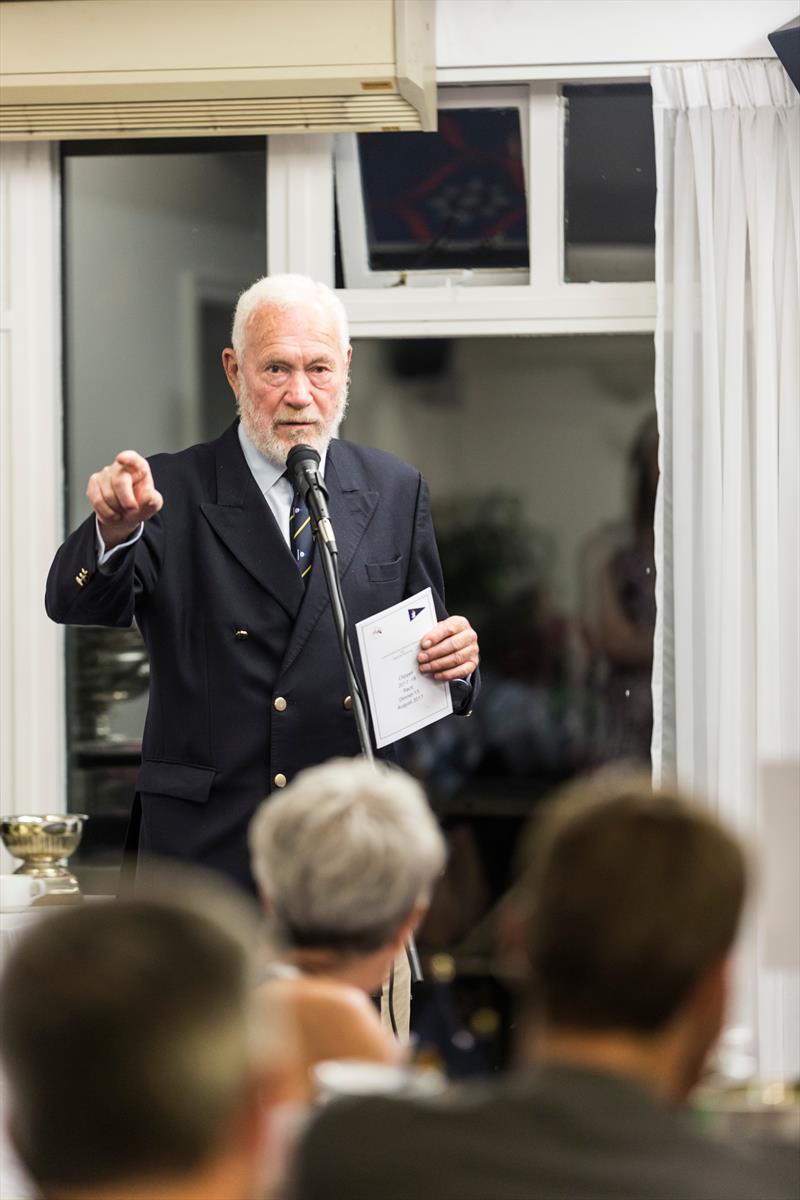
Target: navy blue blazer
(246, 678)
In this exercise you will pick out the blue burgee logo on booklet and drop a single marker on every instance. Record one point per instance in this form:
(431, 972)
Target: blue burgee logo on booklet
(414, 612)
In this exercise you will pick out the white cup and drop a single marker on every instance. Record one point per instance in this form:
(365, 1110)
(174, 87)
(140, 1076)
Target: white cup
(20, 891)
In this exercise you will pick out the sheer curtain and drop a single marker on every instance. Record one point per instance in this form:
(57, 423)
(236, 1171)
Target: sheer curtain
(727, 653)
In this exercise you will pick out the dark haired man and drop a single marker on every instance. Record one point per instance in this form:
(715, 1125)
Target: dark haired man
(629, 902)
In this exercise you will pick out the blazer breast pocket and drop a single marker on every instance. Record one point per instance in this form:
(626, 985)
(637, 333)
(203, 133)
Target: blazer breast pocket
(386, 572)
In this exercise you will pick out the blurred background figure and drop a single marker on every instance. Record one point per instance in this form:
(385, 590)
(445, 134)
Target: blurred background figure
(346, 859)
(138, 1062)
(618, 609)
(625, 914)
(524, 734)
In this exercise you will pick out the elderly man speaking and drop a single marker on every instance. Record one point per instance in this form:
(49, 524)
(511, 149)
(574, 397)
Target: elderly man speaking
(247, 686)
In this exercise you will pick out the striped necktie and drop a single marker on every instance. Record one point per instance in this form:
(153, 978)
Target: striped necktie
(301, 539)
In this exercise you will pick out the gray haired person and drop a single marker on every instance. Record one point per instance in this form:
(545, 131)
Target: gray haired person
(345, 859)
(201, 549)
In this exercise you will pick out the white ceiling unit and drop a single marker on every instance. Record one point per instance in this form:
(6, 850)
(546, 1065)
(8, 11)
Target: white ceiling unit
(183, 68)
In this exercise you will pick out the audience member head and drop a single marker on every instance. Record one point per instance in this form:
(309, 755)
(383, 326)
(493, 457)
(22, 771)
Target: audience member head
(346, 858)
(633, 901)
(137, 1063)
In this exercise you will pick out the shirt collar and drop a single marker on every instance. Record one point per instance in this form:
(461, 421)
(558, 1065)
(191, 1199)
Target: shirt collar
(266, 473)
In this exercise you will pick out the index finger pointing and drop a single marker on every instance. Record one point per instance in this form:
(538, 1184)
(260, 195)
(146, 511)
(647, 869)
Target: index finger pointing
(123, 490)
(152, 503)
(133, 462)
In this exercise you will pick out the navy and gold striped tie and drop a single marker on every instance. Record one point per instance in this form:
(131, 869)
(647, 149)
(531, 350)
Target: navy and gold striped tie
(301, 539)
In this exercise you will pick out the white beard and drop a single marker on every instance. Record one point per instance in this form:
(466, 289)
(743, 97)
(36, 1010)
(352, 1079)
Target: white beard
(262, 433)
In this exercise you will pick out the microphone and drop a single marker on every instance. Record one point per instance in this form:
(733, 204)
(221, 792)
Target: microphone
(302, 467)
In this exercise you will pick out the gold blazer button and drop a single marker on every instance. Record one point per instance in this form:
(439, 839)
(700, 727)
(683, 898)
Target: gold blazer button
(279, 780)
(279, 704)
(241, 635)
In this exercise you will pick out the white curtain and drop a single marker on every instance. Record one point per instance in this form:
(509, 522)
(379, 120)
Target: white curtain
(726, 679)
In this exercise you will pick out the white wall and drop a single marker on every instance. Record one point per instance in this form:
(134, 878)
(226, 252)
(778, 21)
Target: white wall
(481, 33)
(133, 236)
(137, 238)
(32, 725)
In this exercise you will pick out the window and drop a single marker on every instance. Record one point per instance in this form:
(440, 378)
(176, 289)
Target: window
(609, 183)
(547, 187)
(453, 203)
(540, 454)
(159, 239)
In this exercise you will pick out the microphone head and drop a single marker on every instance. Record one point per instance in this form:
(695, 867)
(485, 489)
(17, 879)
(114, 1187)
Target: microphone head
(299, 462)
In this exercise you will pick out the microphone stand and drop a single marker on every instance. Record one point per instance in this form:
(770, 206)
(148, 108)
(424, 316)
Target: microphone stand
(329, 554)
(330, 566)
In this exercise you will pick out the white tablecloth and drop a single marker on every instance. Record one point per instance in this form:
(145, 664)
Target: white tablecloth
(14, 924)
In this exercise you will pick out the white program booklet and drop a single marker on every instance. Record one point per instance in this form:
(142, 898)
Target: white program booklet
(401, 698)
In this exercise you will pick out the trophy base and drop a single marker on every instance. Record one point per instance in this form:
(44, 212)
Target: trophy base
(51, 870)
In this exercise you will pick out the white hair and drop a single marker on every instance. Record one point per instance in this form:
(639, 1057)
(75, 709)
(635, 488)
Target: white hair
(286, 291)
(344, 854)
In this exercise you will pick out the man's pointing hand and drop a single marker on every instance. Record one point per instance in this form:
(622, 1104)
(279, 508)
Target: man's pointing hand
(122, 496)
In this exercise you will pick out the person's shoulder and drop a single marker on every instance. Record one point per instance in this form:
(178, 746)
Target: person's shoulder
(477, 1132)
(457, 1106)
(338, 994)
(194, 461)
(401, 1145)
(324, 992)
(375, 1120)
(339, 1021)
(746, 1168)
(188, 456)
(379, 464)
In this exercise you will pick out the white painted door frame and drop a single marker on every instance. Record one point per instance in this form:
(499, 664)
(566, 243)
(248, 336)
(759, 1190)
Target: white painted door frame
(33, 770)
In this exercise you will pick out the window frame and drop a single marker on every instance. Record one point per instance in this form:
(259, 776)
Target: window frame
(303, 236)
(351, 212)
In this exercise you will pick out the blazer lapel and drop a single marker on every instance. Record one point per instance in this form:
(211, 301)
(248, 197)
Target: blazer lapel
(351, 507)
(243, 520)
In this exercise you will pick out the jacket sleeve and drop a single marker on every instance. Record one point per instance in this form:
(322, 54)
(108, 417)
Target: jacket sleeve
(425, 570)
(79, 592)
(327, 1164)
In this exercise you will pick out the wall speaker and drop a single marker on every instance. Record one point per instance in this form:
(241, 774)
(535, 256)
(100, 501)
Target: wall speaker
(786, 44)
